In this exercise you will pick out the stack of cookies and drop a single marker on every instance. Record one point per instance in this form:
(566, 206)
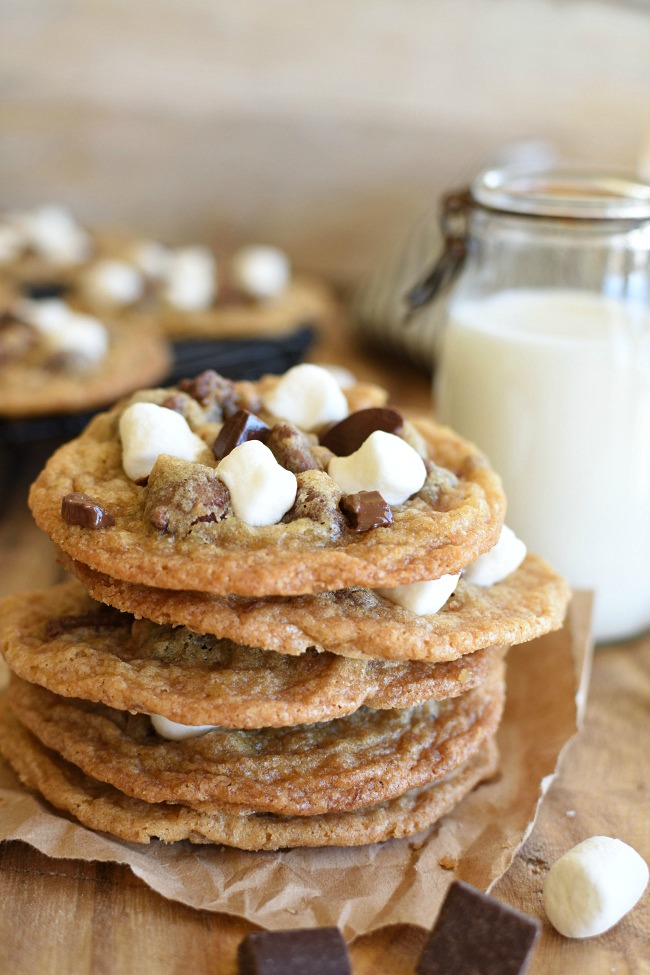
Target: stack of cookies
(286, 623)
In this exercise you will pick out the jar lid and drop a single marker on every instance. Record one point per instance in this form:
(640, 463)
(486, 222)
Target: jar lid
(573, 193)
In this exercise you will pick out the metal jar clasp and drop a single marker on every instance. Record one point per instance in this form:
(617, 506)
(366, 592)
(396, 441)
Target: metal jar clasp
(454, 210)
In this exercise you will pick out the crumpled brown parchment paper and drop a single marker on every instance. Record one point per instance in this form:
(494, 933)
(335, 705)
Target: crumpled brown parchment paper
(361, 889)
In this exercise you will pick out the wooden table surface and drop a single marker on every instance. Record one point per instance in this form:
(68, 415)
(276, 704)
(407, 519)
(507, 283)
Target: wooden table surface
(74, 918)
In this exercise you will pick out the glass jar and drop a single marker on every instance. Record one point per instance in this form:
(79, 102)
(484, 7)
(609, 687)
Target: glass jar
(545, 364)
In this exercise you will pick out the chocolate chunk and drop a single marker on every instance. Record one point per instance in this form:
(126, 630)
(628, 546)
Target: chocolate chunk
(348, 435)
(365, 510)
(79, 509)
(476, 933)
(317, 498)
(182, 494)
(175, 403)
(239, 428)
(44, 290)
(105, 616)
(319, 951)
(291, 449)
(210, 389)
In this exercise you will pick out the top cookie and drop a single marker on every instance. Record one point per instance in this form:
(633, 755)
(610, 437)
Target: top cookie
(283, 517)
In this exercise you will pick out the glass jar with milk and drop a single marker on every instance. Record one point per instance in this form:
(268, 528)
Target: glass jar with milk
(545, 363)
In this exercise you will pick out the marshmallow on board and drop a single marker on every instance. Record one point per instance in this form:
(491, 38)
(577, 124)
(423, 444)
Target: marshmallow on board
(592, 886)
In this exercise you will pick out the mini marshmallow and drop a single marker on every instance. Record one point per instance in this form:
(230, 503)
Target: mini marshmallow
(151, 258)
(110, 282)
(54, 234)
(262, 272)
(81, 335)
(590, 888)
(384, 463)
(506, 556)
(148, 430)
(175, 731)
(47, 316)
(344, 377)
(422, 598)
(261, 491)
(12, 242)
(191, 282)
(307, 396)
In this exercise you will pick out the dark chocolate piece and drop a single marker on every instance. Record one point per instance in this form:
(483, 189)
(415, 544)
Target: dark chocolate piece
(238, 429)
(209, 388)
(348, 435)
(44, 290)
(103, 617)
(365, 510)
(477, 934)
(79, 509)
(318, 951)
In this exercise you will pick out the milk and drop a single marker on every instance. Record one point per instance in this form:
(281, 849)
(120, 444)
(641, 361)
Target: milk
(554, 385)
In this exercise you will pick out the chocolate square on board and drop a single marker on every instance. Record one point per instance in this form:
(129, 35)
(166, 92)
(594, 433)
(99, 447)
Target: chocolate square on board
(314, 951)
(478, 935)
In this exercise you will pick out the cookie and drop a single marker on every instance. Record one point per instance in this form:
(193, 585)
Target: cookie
(101, 807)
(454, 517)
(305, 301)
(355, 622)
(29, 387)
(334, 766)
(61, 639)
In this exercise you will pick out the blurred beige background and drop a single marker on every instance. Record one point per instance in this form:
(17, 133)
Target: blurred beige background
(326, 126)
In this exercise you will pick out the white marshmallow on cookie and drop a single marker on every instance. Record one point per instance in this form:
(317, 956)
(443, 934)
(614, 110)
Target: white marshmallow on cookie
(175, 731)
(384, 463)
(79, 335)
(148, 430)
(111, 282)
(506, 556)
(422, 598)
(261, 491)
(307, 396)
(47, 316)
(344, 377)
(191, 279)
(592, 886)
(53, 233)
(151, 258)
(260, 271)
